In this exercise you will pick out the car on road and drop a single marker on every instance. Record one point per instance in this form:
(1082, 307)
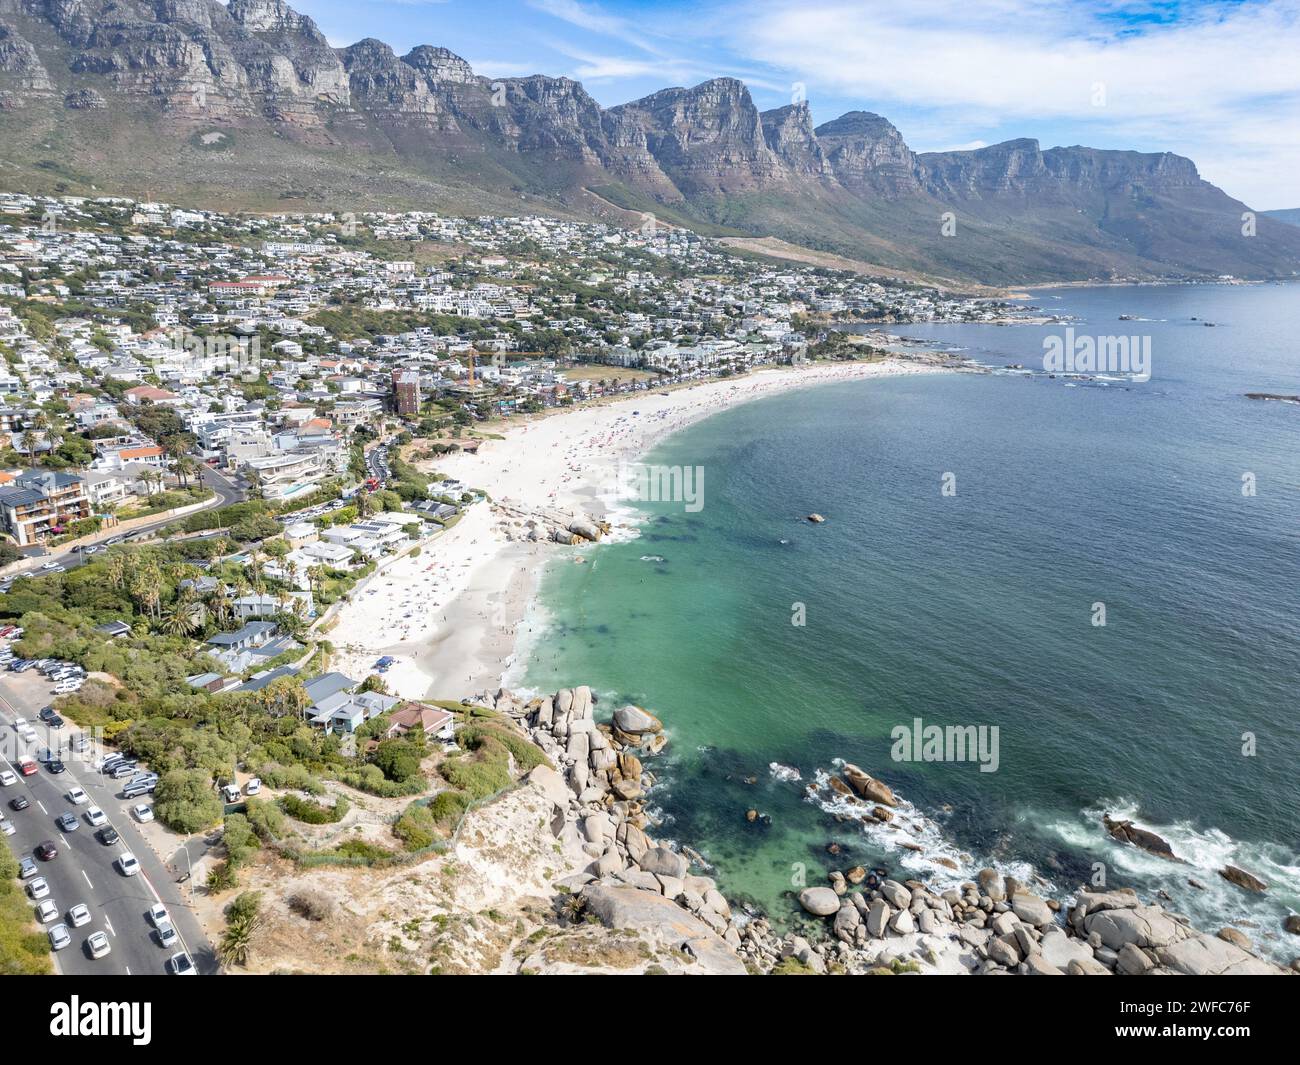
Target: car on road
(56, 766)
(39, 888)
(59, 937)
(46, 911)
(7, 827)
(179, 964)
(167, 936)
(27, 766)
(76, 796)
(26, 868)
(67, 822)
(49, 565)
(20, 803)
(98, 945)
(79, 915)
(143, 812)
(127, 864)
(19, 722)
(157, 914)
(112, 540)
(7, 779)
(96, 817)
(46, 851)
(108, 836)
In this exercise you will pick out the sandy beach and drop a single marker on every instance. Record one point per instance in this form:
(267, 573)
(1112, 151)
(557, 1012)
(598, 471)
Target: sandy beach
(451, 615)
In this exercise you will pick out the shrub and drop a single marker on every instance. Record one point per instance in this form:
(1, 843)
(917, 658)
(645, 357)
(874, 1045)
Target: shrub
(415, 828)
(266, 819)
(311, 905)
(185, 800)
(448, 807)
(314, 813)
(240, 839)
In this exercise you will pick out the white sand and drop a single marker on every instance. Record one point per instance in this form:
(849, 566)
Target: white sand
(450, 616)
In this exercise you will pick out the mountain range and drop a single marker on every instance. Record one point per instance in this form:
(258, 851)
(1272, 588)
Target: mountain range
(246, 105)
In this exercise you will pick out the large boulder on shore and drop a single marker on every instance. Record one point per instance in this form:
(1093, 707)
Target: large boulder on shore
(868, 786)
(819, 901)
(667, 862)
(635, 721)
(662, 924)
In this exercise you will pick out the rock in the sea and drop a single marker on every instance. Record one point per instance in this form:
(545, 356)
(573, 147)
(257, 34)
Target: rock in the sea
(816, 519)
(1233, 935)
(868, 786)
(1292, 924)
(1128, 832)
(1242, 879)
(635, 721)
(990, 882)
(821, 901)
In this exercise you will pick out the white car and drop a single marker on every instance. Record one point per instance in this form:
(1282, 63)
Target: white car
(49, 565)
(7, 828)
(180, 965)
(157, 914)
(96, 817)
(19, 722)
(253, 786)
(76, 796)
(39, 888)
(46, 911)
(7, 779)
(98, 944)
(67, 687)
(167, 936)
(59, 937)
(127, 864)
(79, 915)
(143, 812)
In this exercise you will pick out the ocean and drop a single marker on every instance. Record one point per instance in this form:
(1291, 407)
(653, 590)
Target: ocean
(978, 528)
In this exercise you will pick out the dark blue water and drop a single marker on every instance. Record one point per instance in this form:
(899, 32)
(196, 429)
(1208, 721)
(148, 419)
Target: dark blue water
(977, 608)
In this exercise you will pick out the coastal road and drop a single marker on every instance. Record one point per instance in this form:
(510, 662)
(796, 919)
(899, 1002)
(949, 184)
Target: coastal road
(84, 871)
(226, 490)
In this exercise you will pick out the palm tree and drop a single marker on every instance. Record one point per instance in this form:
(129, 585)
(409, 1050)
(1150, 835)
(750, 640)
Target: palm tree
(180, 618)
(221, 609)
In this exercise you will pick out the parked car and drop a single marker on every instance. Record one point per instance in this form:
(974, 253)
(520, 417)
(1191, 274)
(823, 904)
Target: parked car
(26, 868)
(7, 779)
(143, 812)
(253, 786)
(66, 687)
(123, 769)
(46, 912)
(134, 791)
(39, 888)
(59, 937)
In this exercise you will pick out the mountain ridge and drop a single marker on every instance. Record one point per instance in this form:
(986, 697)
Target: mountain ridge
(247, 104)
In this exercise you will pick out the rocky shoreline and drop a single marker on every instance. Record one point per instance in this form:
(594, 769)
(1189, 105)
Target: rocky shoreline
(992, 926)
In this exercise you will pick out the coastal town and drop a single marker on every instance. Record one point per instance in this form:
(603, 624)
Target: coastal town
(275, 492)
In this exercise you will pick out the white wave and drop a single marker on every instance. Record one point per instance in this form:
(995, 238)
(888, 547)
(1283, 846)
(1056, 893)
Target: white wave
(783, 772)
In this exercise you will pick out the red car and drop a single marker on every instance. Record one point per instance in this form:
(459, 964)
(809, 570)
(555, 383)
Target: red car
(47, 851)
(27, 767)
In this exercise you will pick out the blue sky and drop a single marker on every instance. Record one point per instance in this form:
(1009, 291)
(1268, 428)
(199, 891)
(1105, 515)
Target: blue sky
(1216, 81)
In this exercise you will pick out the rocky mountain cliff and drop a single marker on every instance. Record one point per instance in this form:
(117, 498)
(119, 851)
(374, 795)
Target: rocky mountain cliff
(111, 95)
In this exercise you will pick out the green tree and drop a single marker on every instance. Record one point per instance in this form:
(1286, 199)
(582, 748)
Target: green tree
(186, 801)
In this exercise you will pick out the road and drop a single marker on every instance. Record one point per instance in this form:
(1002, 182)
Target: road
(84, 870)
(227, 492)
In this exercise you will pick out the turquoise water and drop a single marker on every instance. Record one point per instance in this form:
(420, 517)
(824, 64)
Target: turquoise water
(977, 609)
